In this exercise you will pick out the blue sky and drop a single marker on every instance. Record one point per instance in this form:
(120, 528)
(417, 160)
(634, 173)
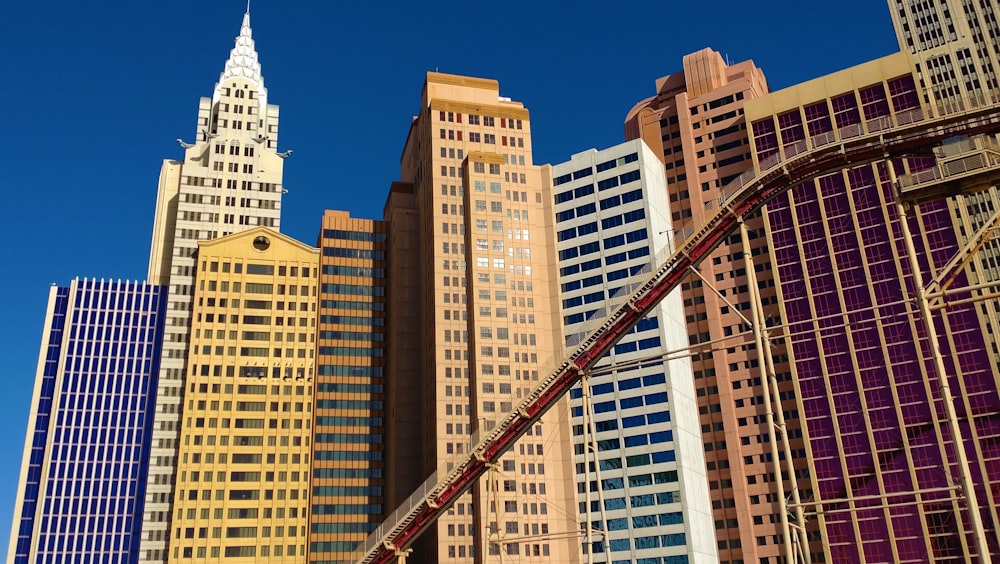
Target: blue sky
(95, 93)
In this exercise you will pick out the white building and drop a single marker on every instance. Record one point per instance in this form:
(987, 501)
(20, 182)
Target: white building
(612, 219)
(228, 181)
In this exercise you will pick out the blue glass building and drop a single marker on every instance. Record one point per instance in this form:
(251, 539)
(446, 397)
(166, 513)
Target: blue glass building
(86, 454)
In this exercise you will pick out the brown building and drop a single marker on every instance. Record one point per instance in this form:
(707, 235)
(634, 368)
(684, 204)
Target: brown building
(347, 483)
(473, 322)
(695, 123)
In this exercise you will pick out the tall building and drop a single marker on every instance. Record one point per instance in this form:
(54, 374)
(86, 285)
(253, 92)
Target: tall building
(648, 491)
(244, 458)
(347, 484)
(695, 123)
(86, 454)
(404, 398)
(953, 44)
(478, 217)
(942, 39)
(228, 181)
(884, 459)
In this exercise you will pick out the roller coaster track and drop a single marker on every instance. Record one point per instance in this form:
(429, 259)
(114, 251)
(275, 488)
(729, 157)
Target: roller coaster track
(912, 134)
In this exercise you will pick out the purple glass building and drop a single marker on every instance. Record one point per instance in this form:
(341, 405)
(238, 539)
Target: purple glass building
(884, 473)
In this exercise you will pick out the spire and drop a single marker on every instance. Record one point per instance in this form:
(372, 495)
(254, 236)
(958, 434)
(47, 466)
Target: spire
(243, 62)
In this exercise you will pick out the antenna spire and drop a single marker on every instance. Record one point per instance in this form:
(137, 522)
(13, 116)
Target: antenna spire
(243, 62)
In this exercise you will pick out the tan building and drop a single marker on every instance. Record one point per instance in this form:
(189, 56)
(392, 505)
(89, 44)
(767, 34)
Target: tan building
(478, 281)
(243, 464)
(347, 480)
(228, 181)
(695, 123)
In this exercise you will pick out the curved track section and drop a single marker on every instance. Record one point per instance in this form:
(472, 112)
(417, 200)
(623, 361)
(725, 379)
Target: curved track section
(742, 197)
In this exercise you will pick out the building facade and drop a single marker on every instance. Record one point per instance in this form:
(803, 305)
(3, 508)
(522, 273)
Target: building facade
(650, 497)
(695, 123)
(953, 44)
(884, 462)
(484, 292)
(228, 181)
(955, 54)
(347, 483)
(243, 471)
(86, 455)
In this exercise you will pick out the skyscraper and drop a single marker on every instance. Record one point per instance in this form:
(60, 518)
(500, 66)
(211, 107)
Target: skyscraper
(647, 491)
(243, 462)
(953, 44)
(228, 181)
(348, 449)
(886, 471)
(86, 455)
(487, 321)
(956, 58)
(695, 124)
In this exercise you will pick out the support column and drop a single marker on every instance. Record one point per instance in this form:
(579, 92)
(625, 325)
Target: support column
(493, 491)
(772, 384)
(591, 435)
(768, 408)
(965, 478)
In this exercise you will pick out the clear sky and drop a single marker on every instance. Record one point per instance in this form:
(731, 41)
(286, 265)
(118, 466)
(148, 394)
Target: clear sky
(94, 95)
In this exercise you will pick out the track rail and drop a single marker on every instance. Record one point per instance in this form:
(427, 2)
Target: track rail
(742, 197)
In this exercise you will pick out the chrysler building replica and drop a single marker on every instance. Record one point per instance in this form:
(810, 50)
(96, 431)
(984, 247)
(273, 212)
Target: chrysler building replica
(228, 181)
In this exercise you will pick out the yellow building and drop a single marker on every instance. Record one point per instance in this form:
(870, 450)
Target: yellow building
(242, 489)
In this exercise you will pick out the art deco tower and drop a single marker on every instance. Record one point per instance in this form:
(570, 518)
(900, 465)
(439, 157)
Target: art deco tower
(228, 181)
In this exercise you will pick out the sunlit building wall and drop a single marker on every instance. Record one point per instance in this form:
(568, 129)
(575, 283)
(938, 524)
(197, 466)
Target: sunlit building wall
(485, 288)
(244, 459)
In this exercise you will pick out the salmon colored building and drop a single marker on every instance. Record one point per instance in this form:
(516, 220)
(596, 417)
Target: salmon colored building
(695, 123)
(474, 318)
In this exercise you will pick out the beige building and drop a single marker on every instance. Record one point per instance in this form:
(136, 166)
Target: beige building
(243, 468)
(228, 181)
(695, 123)
(479, 322)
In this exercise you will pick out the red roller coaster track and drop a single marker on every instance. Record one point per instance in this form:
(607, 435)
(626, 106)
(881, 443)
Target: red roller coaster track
(916, 138)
